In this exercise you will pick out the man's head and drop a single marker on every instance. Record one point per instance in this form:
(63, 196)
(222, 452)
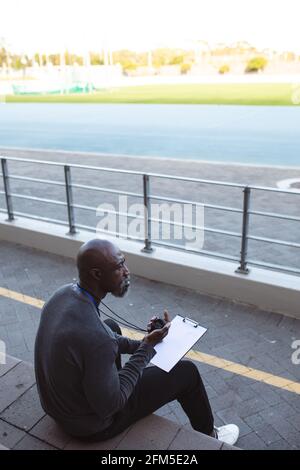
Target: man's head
(102, 269)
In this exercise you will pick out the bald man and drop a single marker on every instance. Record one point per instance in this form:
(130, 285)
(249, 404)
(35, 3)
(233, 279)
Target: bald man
(80, 380)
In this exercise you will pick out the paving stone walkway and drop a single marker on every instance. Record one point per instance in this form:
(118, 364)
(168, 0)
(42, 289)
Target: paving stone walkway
(268, 416)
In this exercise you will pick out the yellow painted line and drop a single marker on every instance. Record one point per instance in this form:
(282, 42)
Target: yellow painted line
(234, 367)
(293, 387)
(11, 294)
(247, 372)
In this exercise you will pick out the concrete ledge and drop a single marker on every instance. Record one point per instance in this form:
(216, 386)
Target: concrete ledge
(3, 448)
(265, 289)
(24, 425)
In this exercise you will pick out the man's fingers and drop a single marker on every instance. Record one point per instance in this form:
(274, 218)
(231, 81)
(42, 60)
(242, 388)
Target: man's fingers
(165, 329)
(167, 316)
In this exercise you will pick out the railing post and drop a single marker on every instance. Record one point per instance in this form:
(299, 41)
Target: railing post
(147, 215)
(69, 195)
(242, 269)
(8, 196)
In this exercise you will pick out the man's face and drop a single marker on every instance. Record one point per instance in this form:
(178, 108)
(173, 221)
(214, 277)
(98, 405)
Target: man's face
(117, 276)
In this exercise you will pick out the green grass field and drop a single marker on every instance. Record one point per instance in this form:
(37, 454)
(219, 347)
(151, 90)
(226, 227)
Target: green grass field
(239, 94)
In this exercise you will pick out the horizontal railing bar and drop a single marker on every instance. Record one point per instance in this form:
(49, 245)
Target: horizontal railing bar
(275, 190)
(223, 208)
(196, 180)
(186, 201)
(109, 232)
(108, 211)
(275, 216)
(128, 172)
(162, 221)
(30, 160)
(173, 199)
(201, 252)
(154, 175)
(73, 165)
(106, 190)
(35, 180)
(196, 227)
(37, 217)
(274, 241)
(274, 266)
(34, 198)
(86, 208)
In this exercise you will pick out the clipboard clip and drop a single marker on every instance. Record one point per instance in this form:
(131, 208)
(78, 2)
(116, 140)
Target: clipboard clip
(195, 324)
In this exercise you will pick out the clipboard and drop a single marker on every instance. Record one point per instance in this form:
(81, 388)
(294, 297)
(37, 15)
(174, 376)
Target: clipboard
(182, 336)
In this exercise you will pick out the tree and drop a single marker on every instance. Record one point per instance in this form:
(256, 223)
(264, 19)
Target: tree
(161, 57)
(3, 52)
(54, 59)
(185, 68)
(256, 64)
(96, 59)
(129, 67)
(3, 56)
(19, 62)
(177, 60)
(224, 69)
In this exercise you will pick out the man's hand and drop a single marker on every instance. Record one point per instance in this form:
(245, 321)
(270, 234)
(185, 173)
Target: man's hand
(153, 319)
(156, 336)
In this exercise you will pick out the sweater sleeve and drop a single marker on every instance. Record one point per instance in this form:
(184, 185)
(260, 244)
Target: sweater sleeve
(127, 345)
(107, 389)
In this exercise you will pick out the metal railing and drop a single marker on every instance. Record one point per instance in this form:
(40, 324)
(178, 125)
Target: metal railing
(246, 212)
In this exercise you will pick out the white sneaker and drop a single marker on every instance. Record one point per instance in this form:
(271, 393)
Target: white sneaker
(228, 434)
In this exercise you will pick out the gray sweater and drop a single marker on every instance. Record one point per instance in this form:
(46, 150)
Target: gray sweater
(75, 352)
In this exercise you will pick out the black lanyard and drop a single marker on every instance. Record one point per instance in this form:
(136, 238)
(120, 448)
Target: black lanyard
(84, 291)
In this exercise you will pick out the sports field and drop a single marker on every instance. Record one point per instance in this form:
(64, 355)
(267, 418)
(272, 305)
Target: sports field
(239, 94)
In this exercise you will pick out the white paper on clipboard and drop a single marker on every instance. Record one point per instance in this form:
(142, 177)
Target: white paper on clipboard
(183, 334)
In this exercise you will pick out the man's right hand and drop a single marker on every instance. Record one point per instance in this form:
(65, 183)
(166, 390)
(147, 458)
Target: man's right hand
(156, 336)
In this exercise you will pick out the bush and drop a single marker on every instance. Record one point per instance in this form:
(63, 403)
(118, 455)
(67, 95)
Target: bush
(224, 69)
(95, 59)
(256, 64)
(177, 60)
(129, 67)
(185, 68)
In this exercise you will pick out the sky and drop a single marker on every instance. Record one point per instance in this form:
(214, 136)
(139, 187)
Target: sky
(81, 25)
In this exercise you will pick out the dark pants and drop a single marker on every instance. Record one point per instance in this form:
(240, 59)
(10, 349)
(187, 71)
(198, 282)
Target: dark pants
(155, 389)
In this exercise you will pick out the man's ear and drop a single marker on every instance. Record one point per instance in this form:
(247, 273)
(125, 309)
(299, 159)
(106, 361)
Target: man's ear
(96, 274)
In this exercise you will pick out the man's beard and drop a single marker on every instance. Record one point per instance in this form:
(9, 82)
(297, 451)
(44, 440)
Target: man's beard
(123, 289)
